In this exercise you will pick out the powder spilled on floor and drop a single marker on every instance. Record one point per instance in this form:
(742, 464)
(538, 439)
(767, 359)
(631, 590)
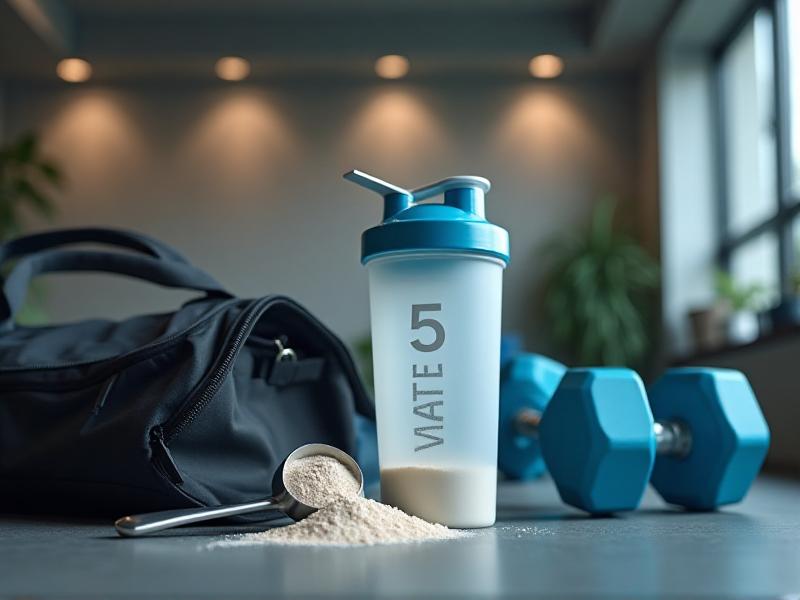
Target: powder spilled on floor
(353, 521)
(345, 518)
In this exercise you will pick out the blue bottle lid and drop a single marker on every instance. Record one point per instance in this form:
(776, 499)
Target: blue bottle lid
(458, 224)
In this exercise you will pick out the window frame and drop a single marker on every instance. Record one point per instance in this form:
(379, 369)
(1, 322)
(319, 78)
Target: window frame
(788, 200)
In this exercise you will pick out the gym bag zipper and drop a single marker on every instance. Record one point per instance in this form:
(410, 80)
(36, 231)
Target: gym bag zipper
(163, 457)
(162, 435)
(210, 386)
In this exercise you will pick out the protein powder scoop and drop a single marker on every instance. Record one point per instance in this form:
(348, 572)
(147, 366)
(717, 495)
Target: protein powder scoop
(290, 495)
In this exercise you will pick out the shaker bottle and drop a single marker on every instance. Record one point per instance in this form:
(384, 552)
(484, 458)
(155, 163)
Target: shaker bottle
(435, 283)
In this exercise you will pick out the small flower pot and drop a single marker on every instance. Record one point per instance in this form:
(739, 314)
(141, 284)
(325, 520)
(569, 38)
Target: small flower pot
(708, 327)
(743, 327)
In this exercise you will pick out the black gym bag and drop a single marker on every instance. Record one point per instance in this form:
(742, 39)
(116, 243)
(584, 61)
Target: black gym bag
(195, 407)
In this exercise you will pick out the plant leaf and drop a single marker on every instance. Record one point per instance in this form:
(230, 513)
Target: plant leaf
(24, 149)
(599, 292)
(50, 172)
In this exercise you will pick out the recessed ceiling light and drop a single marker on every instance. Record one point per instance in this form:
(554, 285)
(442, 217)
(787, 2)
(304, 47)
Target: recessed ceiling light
(546, 66)
(392, 66)
(74, 70)
(232, 68)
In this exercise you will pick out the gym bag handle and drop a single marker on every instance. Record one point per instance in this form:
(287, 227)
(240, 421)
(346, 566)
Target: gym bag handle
(28, 244)
(168, 273)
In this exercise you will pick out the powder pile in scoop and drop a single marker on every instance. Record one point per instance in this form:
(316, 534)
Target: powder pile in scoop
(319, 480)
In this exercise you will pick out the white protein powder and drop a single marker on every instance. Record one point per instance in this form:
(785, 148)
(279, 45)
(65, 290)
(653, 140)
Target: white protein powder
(318, 480)
(349, 522)
(345, 518)
(454, 496)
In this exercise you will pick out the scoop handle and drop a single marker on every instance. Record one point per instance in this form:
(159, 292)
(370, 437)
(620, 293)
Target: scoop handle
(144, 524)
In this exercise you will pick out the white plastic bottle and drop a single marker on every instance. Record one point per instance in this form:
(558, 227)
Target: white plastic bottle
(435, 278)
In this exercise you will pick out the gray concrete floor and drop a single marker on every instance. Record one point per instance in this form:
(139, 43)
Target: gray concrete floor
(539, 548)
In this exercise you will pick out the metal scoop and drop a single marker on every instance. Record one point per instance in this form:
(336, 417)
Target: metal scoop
(282, 499)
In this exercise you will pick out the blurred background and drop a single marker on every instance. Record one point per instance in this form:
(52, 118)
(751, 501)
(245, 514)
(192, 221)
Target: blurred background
(644, 155)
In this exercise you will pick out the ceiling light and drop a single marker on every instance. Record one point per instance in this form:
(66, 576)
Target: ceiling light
(74, 70)
(546, 66)
(392, 66)
(232, 68)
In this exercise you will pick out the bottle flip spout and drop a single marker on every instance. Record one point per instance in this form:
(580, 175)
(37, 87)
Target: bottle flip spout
(395, 199)
(411, 226)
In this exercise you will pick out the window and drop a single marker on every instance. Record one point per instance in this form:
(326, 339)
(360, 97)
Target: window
(747, 82)
(794, 275)
(755, 262)
(758, 95)
(792, 36)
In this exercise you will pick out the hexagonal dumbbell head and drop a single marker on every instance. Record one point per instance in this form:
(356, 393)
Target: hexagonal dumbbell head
(597, 439)
(527, 382)
(729, 436)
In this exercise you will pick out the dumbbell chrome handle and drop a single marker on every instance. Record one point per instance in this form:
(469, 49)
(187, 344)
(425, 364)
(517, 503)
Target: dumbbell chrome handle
(673, 438)
(526, 422)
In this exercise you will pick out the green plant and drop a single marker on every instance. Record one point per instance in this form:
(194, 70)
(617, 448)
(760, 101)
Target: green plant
(738, 297)
(599, 294)
(362, 349)
(26, 179)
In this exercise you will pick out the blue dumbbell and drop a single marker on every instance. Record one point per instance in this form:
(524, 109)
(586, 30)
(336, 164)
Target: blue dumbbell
(601, 443)
(527, 382)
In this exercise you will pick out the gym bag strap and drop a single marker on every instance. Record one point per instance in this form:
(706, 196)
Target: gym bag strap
(28, 244)
(185, 408)
(166, 273)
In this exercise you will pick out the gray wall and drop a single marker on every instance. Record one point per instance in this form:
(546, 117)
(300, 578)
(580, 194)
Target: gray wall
(246, 179)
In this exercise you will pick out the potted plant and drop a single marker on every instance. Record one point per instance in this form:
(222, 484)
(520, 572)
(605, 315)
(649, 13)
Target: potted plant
(741, 303)
(709, 324)
(787, 312)
(26, 180)
(599, 296)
